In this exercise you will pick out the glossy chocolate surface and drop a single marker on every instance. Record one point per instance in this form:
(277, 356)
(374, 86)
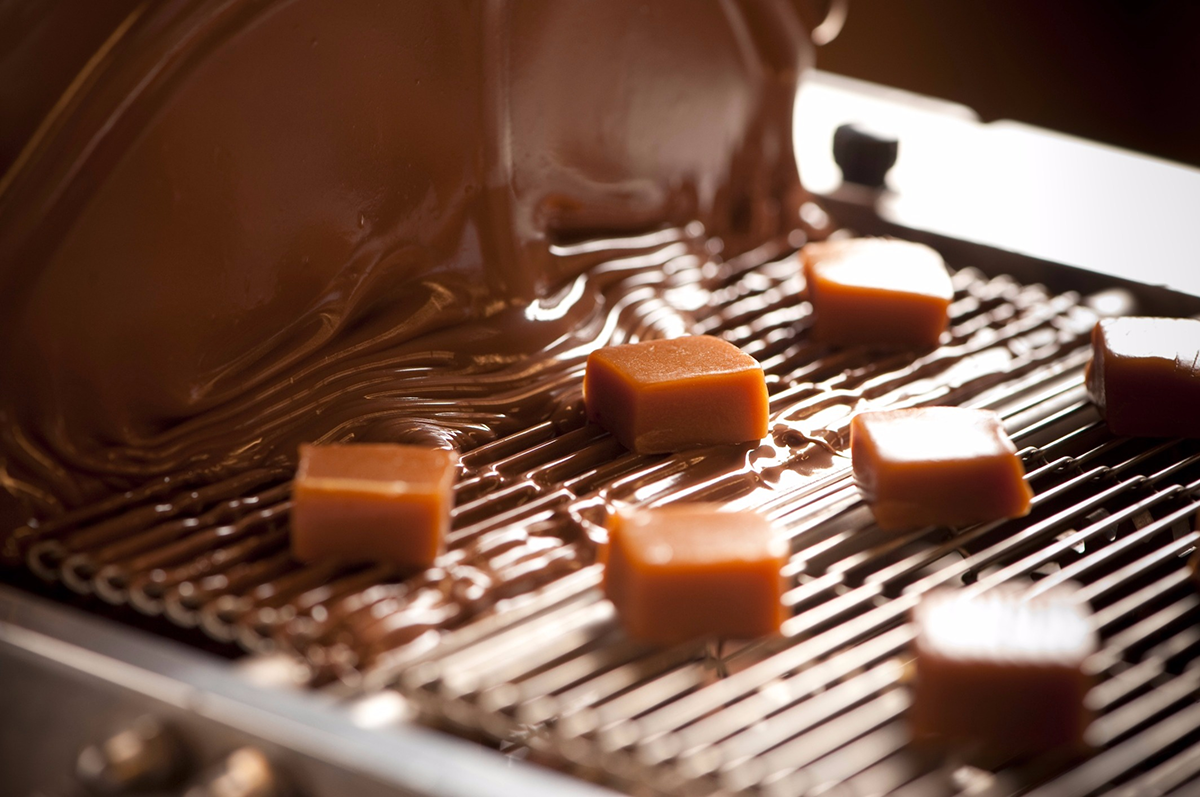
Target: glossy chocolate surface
(260, 223)
(43, 47)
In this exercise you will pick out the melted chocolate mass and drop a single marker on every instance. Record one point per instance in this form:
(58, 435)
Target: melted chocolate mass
(250, 224)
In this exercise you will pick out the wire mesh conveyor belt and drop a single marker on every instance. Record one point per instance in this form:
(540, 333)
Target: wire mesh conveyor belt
(510, 638)
(825, 706)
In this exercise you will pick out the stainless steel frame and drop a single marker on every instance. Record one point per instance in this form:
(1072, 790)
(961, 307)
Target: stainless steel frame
(69, 680)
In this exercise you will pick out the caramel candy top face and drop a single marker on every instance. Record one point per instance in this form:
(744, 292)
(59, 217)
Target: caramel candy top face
(877, 291)
(1145, 375)
(1001, 628)
(937, 466)
(1176, 340)
(934, 435)
(376, 467)
(697, 536)
(882, 264)
(668, 395)
(654, 363)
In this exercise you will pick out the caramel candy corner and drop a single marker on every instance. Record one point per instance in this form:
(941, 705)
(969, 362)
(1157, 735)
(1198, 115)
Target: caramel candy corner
(691, 571)
(1144, 376)
(1001, 675)
(877, 291)
(659, 396)
(947, 466)
(369, 502)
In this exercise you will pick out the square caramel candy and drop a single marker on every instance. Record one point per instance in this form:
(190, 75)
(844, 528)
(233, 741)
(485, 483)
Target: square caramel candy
(877, 291)
(1145, 376)
(999, 674)
(690, 571)
(367, 502)
(668, 395)
(945, 466)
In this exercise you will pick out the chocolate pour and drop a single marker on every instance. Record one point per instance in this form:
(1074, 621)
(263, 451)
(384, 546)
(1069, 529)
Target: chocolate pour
(531, 505)
(259, 222)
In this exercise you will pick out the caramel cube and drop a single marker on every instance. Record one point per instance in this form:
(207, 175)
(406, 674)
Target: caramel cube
(372, 503)
(877, 291)
(668, 395)
(1001, 675)
(947, 466)
(1145, 376)
(690, 571)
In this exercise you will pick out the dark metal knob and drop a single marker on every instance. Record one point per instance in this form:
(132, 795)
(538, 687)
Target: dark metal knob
(863, 155)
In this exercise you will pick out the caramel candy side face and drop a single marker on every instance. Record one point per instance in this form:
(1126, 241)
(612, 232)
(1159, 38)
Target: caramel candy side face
(1145, 376)
(1001, 675)
(660, 396)
(877, 291)
(691, 571)
(947, 466)
(372, 503)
